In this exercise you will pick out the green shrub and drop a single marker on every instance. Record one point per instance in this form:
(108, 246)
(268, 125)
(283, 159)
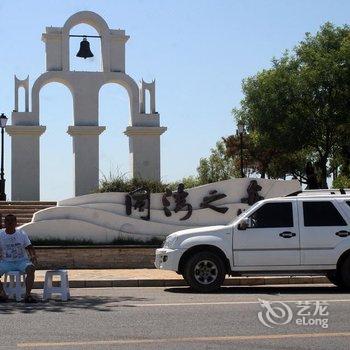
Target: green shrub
(341, 181)
(86, 242)
(120, 183)
(189, 182)
(133, 241)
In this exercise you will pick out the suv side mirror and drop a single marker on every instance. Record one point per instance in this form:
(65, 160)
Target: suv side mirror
(243, 224)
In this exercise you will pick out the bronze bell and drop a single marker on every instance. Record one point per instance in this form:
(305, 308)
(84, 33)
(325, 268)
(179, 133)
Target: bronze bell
(84, 50)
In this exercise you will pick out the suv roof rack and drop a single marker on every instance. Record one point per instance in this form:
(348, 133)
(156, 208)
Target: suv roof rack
(331, 191)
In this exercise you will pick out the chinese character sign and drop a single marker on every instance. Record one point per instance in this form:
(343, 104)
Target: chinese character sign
(214, 196)
(139, 199)
(180, 202)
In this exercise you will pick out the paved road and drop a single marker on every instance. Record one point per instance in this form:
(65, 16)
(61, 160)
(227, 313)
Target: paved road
(175, 318)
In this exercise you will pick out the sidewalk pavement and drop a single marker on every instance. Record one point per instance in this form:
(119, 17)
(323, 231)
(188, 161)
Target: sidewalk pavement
(160, 278)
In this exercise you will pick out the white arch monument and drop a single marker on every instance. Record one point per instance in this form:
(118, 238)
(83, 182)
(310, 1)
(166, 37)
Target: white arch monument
(144, 129)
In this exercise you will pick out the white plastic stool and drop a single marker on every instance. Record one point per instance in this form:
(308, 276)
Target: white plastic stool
(14, 284)
(62, 289)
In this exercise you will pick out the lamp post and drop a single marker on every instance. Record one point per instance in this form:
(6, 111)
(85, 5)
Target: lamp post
(3, 122)
(240, 128)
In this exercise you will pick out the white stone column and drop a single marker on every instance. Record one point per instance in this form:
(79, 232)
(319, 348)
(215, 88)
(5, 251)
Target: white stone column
(25, 161)
(144, 150)
(86, 157)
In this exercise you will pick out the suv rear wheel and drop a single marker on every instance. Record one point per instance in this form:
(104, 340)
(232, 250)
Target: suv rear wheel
(205, 272)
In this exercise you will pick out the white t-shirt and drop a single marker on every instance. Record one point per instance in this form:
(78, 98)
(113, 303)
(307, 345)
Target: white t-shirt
(12, 246)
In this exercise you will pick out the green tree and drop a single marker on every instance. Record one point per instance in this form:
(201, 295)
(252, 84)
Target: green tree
(341, 181)
(217, 167)
(300, 107)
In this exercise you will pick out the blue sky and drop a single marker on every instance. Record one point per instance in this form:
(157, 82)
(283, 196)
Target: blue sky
(198, 51)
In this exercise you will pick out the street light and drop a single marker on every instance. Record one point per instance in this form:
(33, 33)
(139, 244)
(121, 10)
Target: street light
(3, 122)
(240, 129)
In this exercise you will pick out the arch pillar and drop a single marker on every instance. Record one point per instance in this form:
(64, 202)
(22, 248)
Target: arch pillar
(144, 150)
(86, 157)
(25, 161)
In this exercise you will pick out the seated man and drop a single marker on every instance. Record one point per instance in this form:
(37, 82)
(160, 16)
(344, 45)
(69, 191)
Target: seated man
(14, 246)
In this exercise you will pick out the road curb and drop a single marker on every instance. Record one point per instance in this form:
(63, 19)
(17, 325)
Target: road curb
(234, 281)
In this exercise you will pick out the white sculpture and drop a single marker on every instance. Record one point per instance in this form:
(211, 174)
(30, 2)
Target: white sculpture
(102, 217)
(144, 130)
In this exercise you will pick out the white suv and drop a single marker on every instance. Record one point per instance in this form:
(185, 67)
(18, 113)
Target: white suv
(289, 235)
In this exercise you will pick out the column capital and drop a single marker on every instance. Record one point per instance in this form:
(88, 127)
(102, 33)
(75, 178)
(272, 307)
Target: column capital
(24, 130)
(85, 130)
(145, 130)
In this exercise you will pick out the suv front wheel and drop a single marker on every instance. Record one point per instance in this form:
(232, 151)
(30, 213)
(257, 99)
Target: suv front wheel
(205, 272)
(335, 278)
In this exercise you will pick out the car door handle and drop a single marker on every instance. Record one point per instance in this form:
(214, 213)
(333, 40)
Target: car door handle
(287, 234)
(342, 233)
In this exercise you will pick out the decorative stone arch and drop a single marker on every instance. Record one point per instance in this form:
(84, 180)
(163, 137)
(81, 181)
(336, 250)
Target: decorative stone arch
(151, 88)
(131, 88)
(25, 85)
(95, 21)
(42, 81)
(144, 129)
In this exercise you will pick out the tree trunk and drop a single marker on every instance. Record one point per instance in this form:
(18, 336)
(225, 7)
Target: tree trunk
(323, 168)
